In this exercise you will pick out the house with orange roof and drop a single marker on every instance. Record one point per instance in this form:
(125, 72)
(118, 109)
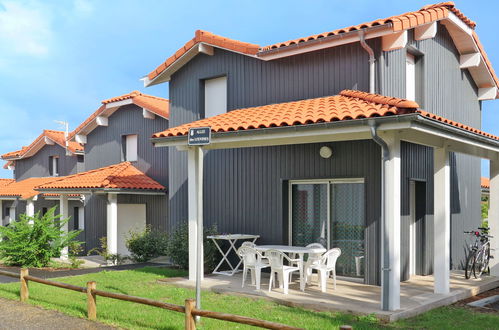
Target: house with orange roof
(367, 138)
(124, 181)
(49, 156)
(104, 170)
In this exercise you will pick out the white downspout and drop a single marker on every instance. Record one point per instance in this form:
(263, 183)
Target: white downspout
(372, 67)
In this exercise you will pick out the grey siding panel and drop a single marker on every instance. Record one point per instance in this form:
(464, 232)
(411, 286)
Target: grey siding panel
(95, 220)
(38, 165)
(103, 146)
(450, 92)
(252, 82)
(244, 188)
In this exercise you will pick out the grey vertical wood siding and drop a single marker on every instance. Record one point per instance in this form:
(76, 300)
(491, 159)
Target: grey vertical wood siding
(243, 193)
(38, 165)
(448, 91)
(103, 146)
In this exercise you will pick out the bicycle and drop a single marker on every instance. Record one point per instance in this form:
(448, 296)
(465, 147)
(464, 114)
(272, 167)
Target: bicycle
(479, 257)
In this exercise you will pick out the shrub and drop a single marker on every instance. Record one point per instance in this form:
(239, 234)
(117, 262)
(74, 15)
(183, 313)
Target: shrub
(114, 259)
(147, 244)
(74, 250)
(34, 244)
(178, 247)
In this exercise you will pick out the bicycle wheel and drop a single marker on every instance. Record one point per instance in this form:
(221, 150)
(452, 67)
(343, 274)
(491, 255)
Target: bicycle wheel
(481, 262)
(470, 264)
(485, 261)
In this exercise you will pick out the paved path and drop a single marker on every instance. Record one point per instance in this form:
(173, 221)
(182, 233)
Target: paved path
(17, 315)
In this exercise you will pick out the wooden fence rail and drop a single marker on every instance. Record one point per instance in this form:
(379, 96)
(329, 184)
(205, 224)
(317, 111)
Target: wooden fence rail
(189, 309)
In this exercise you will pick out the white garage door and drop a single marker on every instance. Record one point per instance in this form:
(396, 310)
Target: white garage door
(131, 217)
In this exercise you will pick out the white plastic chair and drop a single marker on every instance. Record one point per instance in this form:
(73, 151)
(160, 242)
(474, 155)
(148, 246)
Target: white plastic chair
(249, 244)
(277, 267)
(313, 259)
(254, 262)
(326, 264)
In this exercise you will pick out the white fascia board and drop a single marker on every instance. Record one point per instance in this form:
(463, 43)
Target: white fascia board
(333, 41)
(290, 136)
(180, 62)
(394, 41)
(48, 141)
(101, 121)
(459, 23)
(118, 104)
(148, 114)
(453, 142)
(8, 198)
(426, 31)
(487, 93)
(81, 139)
(470, 60)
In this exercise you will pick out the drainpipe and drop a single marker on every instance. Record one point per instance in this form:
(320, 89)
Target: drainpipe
(369, 50)
(385, 257)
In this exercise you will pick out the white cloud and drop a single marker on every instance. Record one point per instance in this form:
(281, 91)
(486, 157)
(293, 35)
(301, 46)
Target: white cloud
(25, 29)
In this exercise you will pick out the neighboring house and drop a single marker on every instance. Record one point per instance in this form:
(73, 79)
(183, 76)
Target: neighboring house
(305, 156)
(49, 156)
(118, 174)
(485, 186)
(117, 147)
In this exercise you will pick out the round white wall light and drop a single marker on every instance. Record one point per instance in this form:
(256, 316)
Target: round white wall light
(326, 152)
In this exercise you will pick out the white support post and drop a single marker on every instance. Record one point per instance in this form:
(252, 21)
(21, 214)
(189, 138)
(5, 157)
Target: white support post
(30, 208)
(390, 283)
(441, 226)
(12, 213)
(195, 208)
(64, 213)
(494, 216)
(112, 223)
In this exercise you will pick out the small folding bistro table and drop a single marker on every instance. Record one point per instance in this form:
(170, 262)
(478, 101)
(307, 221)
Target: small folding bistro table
(232, 239)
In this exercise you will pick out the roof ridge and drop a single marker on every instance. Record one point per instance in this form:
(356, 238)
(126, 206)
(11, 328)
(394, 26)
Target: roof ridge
(380, 99)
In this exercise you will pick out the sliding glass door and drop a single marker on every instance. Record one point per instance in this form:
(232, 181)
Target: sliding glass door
(330, 212)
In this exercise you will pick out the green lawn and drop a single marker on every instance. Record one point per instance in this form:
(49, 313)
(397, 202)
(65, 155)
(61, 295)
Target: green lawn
(143, 283)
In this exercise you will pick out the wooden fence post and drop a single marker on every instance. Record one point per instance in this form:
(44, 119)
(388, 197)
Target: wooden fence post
(190, 323)
(24, 284)
(91, 301)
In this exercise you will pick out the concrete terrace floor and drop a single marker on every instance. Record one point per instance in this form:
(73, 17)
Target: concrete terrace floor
(416, 294)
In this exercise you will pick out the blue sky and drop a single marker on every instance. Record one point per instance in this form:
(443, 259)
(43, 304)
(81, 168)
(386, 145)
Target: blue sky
(59, 59)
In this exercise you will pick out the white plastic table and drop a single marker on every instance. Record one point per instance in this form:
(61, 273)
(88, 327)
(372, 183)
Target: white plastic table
(299, 250)
(232, 239)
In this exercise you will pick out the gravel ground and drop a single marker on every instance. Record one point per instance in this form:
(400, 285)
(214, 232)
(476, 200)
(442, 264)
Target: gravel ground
(17, 315)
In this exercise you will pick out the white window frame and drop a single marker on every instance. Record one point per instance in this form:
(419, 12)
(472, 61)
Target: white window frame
(131, 147)
(318, 181)
(81, 218)
(215, 96)
(55, 165)
(410, 77)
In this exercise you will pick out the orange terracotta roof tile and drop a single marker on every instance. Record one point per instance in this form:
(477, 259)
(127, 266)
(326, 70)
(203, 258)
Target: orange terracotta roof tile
(24, 189)
(56, 136)
(348, 105)
(485, 183)
(6, 182)
(211, 39)
(119, 176)
(427, 14)
(156, 105)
